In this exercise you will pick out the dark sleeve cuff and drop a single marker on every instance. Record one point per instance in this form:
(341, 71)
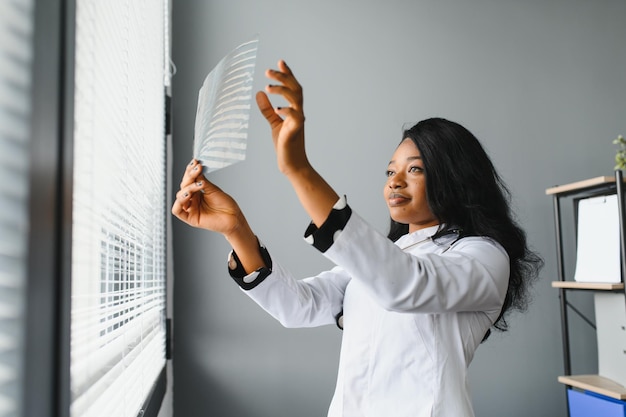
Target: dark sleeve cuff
(249, 281)
(323, 237)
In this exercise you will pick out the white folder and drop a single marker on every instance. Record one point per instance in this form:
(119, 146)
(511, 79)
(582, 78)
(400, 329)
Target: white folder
(598, 246)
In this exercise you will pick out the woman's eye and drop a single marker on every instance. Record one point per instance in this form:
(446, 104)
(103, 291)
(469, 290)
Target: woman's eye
(388, 173)
(415, 169)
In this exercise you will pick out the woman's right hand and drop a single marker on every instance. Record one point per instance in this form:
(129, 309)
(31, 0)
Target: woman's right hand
(202, 204)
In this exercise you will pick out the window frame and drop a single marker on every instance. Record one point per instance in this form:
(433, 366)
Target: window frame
(47, 334)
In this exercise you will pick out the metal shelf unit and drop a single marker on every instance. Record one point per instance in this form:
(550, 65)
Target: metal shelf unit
(584, 189)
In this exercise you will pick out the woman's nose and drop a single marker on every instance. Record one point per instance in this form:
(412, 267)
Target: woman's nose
(395, 182)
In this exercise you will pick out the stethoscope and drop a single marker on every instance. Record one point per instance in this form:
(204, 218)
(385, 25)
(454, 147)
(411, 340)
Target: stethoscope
(436, 236)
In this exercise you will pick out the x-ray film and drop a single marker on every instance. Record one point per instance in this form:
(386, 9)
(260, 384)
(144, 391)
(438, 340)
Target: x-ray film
(224, 101)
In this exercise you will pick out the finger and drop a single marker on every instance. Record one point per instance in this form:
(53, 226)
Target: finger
(282, 65)
(283, 75)
(293, 96)
(289, 87)
(204, 186)
(179, 210)
(185, 194)
(192, 173)
(277, 75)
(289, 114)
(285, 85)
(265, 106)
(185, 206)
(284, 69)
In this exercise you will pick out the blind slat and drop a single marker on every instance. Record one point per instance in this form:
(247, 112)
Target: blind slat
(118, 249)
(16, 49)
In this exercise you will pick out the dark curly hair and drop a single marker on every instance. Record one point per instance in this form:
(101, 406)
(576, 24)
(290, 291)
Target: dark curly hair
(465, 192)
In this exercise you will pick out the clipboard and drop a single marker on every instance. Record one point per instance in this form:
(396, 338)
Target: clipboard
(598, 245)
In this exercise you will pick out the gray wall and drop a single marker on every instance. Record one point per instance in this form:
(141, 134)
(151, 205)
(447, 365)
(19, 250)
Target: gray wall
(541, 83)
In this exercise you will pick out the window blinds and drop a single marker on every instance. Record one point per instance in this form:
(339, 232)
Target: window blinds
(118, 243)
(16, 22)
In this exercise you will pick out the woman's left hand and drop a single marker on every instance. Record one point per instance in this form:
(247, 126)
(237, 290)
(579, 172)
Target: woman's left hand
(286, 123)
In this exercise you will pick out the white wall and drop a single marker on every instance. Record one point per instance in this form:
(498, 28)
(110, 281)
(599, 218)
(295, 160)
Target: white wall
(541, 83)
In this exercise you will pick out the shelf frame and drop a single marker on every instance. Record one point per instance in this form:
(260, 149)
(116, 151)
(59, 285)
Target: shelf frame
(582, 189)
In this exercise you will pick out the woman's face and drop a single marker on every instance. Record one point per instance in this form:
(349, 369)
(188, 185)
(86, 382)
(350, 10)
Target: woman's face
(405, 189)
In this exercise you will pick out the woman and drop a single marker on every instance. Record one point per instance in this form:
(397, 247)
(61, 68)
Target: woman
(415, 305)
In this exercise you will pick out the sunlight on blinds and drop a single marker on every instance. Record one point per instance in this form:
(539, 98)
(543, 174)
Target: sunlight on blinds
(16, 49)
(118, 243)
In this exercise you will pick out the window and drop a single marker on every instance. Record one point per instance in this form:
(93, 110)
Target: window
(118, 272)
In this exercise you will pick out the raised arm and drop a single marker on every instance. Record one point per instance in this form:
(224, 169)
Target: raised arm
(287, 125)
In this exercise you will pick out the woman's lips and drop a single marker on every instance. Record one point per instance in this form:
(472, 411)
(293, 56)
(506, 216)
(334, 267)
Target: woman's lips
(396, 199)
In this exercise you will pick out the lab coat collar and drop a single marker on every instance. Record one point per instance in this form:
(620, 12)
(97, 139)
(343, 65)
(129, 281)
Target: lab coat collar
(417, 236)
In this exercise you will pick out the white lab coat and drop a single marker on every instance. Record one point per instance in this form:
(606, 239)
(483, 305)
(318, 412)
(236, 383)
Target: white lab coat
(412, 321)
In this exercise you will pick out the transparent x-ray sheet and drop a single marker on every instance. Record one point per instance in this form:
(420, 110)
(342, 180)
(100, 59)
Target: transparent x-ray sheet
(224, 102)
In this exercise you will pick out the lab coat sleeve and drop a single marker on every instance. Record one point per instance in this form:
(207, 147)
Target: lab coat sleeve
(308, 302)
(471, 276)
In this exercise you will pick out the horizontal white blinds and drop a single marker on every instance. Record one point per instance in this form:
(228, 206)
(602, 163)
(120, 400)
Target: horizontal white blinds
(16, 49)
(118, 249)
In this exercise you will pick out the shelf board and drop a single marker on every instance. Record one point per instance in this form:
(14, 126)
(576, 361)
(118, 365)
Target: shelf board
(595, 383)
(579, 185)
(600, 286)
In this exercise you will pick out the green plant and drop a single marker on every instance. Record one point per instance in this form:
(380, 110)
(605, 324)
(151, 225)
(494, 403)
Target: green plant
(620, 156)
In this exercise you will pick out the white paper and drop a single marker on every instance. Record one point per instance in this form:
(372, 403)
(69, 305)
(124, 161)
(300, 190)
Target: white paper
(598, 247)
(224, 102)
